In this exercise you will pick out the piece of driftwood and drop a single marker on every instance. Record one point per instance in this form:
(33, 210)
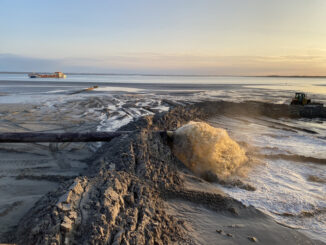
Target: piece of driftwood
(32, 137)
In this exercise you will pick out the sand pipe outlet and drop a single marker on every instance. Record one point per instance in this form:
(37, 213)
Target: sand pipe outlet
(33, 137)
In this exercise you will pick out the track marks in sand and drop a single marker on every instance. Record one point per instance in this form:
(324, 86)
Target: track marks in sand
(111, 208)
(9, 208)
(28, 171)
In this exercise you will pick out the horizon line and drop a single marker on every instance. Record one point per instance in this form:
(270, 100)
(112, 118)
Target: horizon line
(168, 75)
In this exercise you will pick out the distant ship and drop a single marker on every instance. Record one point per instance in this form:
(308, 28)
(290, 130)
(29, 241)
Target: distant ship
(53, 75)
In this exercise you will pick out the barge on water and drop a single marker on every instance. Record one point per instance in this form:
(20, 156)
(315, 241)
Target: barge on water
(53, 75)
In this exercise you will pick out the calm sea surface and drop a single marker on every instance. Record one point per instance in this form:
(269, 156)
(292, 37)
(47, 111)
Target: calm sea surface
(21, 88)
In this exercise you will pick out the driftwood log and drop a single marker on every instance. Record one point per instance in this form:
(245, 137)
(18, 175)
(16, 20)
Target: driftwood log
(32, 137)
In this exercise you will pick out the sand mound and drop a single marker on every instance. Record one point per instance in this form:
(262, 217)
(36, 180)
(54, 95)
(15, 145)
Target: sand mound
(204, 149)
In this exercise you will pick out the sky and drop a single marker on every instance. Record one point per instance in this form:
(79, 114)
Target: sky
(213, 37)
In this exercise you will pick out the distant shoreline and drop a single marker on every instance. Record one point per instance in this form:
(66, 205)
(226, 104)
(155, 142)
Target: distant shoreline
(164, 75)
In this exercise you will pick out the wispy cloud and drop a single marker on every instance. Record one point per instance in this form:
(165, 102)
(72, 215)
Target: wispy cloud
(10, 62)
(173, 64)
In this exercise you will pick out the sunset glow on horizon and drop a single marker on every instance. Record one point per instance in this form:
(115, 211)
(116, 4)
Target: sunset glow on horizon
(247, 37)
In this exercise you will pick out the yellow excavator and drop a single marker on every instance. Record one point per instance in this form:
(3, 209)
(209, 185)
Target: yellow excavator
(300, 99)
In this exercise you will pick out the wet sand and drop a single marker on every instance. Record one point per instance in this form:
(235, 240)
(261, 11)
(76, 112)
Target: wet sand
(28, 171)
(131, 190)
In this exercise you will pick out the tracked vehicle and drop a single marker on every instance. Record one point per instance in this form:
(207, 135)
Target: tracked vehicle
(300, 99)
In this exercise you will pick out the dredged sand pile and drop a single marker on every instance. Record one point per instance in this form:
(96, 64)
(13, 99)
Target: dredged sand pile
(135, 191)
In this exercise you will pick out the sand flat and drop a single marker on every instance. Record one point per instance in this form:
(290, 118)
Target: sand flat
(129, 190)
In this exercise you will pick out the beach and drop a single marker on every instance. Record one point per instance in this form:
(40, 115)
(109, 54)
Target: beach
(135, 190)
(163, 122)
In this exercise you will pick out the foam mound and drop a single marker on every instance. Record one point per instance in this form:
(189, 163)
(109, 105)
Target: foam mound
(208, 150)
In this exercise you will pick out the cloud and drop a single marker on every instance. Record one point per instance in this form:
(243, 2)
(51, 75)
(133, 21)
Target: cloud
(150, 63)
(10, 62)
